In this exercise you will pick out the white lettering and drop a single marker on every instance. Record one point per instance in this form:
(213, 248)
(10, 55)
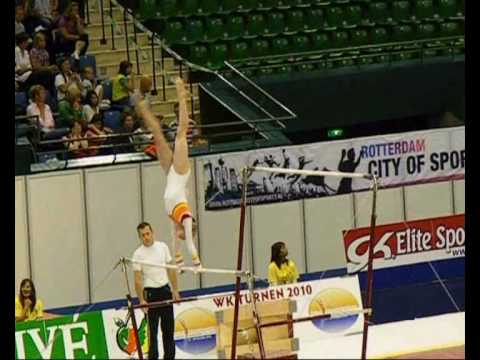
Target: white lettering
(44, 349)
(19, 345)
(70, 345)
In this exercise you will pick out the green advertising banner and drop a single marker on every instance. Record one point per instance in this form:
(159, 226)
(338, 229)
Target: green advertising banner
(79, 336)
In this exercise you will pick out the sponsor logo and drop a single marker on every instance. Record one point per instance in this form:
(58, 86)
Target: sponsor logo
(126, 336)
(195, 330)
(334, 300)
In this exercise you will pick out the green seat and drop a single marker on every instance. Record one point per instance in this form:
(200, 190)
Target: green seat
(190, 7)
(218, 53)
(320, 41)
(280, 46)
(300, 3)
(379, 35)
(239, 50)
(306, 67)
(359, 37)
(426, 31)
(424, 9)
(314, 18)
(168, 8)
(300, 43)
(284, 69)
(353, 15)
(378, 12)
(174, 31)
(267, 4)
(340, 39)
(461, 8)
(255, 25)
(275, 23)
(235, 27)
(334, 17)
(247, 5)
(403, 33)
(401, 11)
(194, 30)
(214, 28)
(198, 54)
(210, 6)
(265, 71)
(447, 8)
(450, 29)
(259, 47)
(147, 9)
(230, 5)
(294, 22)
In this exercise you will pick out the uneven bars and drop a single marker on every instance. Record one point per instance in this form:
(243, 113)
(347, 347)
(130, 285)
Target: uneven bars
(310, 172)
(190, 268)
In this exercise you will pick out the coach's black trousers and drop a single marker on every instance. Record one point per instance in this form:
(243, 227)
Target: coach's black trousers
(165, 314)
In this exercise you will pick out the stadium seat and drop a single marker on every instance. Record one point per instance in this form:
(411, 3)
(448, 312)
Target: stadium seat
(340, 39)
(112, 119)
(198, 54)
(280, 46)
(314, 18)
(267, 4)
(21, 99)
(426, 31)
(275, 23)
(379, 35)
(284, 69)
(450, 29)
(378, 12)
(294, 21)
(190, 7)
(174, 31)
(402, 33)
(334, 17)
(300, 3)
(87, 60)
(214, 28)
(235, 27)
(107, 89)
(194, 30)
(359, 37)
(300, 43)
(168, 8)
(401, 11)
(461, 8)
(447, 8)
(210, 6)
(247, 5)
(265, 71)
(239, 50)
(353, 15)
(424, 9)
(230, 5)
(320, 41)
(217, 55)
(259, 47)
(255, 25)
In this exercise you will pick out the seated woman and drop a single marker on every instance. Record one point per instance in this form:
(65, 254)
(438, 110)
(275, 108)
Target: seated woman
(77, 148)
(96, 129)
(123, 85)
(92, 106)
(27, 306)
(127, 128)
(40, 60)
(65, 78)
(281, 270)
(89, 82)
(70, 108)
(73, 38)
(39, 108)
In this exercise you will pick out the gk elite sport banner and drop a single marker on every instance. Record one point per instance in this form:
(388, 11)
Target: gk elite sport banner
(405, 243)
(397, 159)
(109, 334)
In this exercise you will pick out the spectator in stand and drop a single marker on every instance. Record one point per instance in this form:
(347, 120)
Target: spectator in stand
(27, 306)
(73, 38)
(128, 126)
(92, 106)
(78, 148)
(70, 108)
(19, 18)
(142, 135)
(281, 270)
(39, 108)
(123, 84)
(143, 92)
(89, 82)
(23, 67)
(192, 132)
(66, 78)
(95, 130)
(38, 15)
(40, 60)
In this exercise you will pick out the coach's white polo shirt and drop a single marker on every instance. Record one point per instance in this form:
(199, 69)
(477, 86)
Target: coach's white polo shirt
(157, 253)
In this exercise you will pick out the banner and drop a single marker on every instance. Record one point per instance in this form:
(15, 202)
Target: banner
(109, 334)
(397, 159)
(405, 243)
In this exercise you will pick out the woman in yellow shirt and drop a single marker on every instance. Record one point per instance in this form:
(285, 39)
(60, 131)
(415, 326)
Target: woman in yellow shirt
(27, 306)
(281, 270)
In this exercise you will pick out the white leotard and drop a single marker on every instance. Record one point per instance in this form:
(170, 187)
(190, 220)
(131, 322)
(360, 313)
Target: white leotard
(176, 189)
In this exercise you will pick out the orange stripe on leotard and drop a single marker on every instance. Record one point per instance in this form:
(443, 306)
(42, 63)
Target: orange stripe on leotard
(181, 211)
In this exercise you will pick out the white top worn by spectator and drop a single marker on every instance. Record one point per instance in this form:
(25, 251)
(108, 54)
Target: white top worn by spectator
(157, 253)
(90, 112)
(60, 80)
(87, 86)
(191, 132)
(141, 138)
(22, 59)
(47, 123)
(19, 28)
(43, 8)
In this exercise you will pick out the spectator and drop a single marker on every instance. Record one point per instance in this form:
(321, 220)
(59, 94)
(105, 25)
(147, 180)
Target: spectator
(77, 148)
(27, 306)
(70, 108)
(143, 92)
(128, 126)
(73, 38)
(281, 270)
(142, 137)
(40, 60)
(19, 18)
(39, 108)
(192, 132)
(89, 82)
(38, 15)
(123, 84)
(96, 129)
(92, 106)
(65, 78)
(23, 67)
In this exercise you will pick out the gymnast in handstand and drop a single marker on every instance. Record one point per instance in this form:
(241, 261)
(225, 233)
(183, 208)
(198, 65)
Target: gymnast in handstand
(177, 167)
